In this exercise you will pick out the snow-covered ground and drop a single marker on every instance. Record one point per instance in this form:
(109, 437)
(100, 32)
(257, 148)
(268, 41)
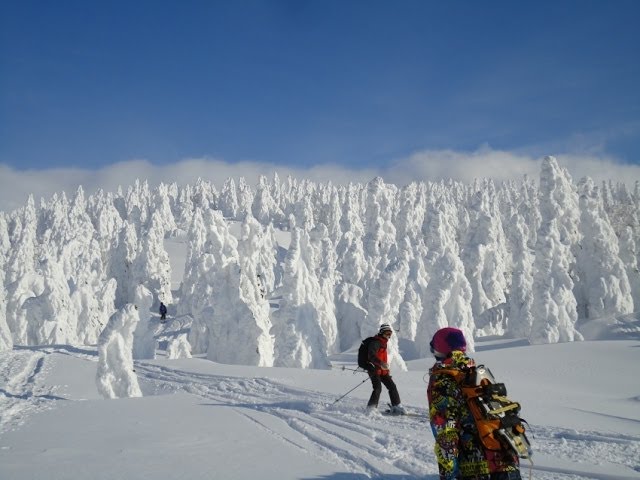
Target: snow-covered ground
(199, 419)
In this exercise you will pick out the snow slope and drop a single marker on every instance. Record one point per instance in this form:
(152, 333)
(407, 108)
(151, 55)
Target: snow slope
(199, 419)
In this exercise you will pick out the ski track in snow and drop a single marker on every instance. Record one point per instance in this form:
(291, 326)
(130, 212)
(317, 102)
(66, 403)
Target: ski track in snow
(369, 445)
(361, 444)
(21, 393)
(339, 433)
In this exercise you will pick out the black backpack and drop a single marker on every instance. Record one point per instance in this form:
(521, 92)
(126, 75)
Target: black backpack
(363, 353)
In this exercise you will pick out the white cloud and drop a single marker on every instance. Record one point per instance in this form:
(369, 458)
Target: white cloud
(462, 166)
(501, 165)
(434, 165)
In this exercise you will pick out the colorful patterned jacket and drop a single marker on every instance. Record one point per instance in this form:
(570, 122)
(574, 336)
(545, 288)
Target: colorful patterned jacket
(458, 449)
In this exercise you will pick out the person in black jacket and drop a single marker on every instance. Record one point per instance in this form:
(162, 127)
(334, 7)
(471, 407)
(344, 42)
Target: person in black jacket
(163, 312)
(378, 369)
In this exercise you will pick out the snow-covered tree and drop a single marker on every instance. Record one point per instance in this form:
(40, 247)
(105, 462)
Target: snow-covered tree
(5, 241)
(350, 314)
(122, 264)
(447, 299)
(604, 283)
(94, 302)
(178, 347)
(325, 261)
(384, 303)
(299, 339)
(628, 249)
(151, 266)
(304, 214)
(107, 223)
(54, 230)
(234, 313)
(79, 221)
(232, 326)
(21, 260)
(115, 376)
(484, 252)
(184, 208)
(411, 211)
(161, 206)
(332, 216)
(351, 260)
(420, 257)
(264, 208)
(144, 342)
(21, 280)
(411, 307)
(50, 316)
(6, 340)
(258, 243)
(91, 291)
(624, 217)
(245, 198)
(352, 215)
(521, 291)
(380, 233)
(256, 254)
(136, 204)
(229, 199)
(196, 290)
(554, 306)
(351, 265)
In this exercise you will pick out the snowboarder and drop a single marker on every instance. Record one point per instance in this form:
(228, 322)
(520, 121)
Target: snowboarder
(458, 449)
(163, 312)
(378, 370)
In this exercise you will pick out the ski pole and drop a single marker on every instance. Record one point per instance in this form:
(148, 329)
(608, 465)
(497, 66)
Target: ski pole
(356, 370)
(350, 391)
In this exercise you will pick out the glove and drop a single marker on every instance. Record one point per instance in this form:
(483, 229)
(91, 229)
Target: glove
(384, 366)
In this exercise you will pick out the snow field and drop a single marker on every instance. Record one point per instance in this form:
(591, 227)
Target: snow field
(199, 417)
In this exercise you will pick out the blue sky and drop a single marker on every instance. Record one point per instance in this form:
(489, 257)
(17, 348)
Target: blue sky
(304, 83)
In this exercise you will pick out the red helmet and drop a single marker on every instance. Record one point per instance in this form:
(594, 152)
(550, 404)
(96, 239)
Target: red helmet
(446, 340)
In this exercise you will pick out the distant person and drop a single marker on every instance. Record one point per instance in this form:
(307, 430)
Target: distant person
(459, 451)
(374, 351)
(163, 312)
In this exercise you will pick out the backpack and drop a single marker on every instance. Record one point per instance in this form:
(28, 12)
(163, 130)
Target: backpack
(499, 426)
(363, 353)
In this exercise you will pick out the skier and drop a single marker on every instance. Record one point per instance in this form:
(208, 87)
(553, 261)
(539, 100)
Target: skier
(458, 449)
(163, 312)
(379, 373)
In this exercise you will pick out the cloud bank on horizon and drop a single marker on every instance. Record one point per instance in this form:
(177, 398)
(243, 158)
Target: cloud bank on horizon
(427, 165)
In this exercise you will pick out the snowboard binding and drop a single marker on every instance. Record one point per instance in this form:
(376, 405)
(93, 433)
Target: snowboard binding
(499, 413)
